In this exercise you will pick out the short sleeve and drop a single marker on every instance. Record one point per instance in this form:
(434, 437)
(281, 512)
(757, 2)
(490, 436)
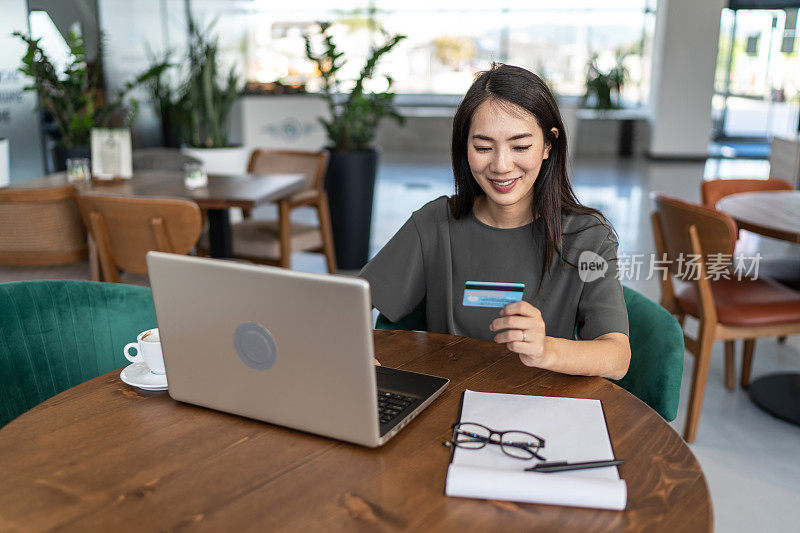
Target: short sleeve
(601, 308)
(396, 275)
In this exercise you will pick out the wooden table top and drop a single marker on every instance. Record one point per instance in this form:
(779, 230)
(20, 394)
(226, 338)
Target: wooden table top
(104, 456)
(223, 191)
(774, 214)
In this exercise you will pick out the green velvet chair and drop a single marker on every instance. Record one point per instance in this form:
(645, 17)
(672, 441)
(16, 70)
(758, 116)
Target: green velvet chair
(56, 334)
(656, 368)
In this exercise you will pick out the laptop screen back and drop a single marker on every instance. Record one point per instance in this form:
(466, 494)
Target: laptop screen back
(290, 348)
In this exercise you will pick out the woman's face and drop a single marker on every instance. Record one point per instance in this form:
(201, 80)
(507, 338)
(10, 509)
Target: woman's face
(505, 150)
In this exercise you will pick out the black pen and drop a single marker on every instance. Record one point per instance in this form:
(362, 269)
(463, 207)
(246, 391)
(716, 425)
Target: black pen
(562, 466)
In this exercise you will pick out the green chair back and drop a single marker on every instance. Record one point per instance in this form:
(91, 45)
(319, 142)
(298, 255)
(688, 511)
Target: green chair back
(56, 334)
(656, 338)
(656, 368)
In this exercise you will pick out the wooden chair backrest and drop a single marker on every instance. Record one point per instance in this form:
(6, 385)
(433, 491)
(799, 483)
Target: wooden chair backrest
(715, 190)
(312, 164)
(673, 218)
(40, 227)
(125, 229)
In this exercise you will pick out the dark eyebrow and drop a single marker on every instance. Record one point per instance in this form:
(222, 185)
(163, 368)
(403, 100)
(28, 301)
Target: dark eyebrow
(512, 138)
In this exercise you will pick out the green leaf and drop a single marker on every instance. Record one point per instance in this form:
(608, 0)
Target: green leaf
(353, 121)
(73, 96)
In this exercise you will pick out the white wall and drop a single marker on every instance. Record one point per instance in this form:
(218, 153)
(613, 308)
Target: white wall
(286, 122)
(684, 61)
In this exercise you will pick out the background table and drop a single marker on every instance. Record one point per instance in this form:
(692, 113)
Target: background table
(106, 456)
(773, 214)
(223, 191)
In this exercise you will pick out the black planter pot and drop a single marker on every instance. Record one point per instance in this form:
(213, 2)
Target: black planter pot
(62, 153)
(350, 183)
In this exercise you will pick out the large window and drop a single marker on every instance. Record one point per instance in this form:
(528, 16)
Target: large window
(757, 84)
(448, 41)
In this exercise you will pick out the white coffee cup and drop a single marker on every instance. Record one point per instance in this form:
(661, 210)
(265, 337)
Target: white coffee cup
(148, 351)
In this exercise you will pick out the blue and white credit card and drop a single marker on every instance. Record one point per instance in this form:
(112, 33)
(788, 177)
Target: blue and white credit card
(492, 294)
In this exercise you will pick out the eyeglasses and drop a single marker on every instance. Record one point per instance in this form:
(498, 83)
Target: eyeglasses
(516, 444)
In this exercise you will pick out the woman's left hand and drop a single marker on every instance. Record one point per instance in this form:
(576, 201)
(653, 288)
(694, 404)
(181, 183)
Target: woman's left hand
(521, 329)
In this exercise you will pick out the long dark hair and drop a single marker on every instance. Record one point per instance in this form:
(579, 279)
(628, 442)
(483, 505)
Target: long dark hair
(553, 196)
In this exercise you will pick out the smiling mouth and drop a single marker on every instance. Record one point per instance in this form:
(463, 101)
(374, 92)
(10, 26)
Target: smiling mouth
(504, 186)
(503, 183)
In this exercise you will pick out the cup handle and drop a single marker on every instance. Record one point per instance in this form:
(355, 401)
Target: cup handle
(133, 358)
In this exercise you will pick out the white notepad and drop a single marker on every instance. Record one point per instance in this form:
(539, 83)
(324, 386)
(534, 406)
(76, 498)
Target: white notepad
(573, 429)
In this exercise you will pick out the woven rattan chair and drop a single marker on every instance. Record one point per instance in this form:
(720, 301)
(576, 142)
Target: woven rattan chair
(726, 309)
(40, 227)
(125, 229)
(272, 242)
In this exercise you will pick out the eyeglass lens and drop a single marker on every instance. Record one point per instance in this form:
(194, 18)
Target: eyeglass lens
(519, 444)
(472, 436)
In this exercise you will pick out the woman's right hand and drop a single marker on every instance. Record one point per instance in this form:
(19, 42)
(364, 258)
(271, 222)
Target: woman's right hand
(377, 363)
(522, 331)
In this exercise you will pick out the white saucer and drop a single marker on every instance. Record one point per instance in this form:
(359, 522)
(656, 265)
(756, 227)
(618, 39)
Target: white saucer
(138, 375)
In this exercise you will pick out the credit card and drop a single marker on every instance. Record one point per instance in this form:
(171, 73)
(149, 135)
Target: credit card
(491, 293)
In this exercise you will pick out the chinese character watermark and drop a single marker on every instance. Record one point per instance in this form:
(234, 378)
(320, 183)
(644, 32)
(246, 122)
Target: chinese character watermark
(632, 267)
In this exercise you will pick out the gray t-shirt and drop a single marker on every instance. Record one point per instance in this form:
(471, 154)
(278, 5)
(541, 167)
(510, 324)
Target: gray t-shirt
(433, 256)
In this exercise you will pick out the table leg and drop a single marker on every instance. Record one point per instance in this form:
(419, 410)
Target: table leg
(779, 395)
(94, 260)
(219, 233)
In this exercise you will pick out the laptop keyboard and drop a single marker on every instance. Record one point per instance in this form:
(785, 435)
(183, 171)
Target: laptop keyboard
(391, 404)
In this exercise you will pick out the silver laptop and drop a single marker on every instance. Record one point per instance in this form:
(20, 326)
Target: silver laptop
(289, 348)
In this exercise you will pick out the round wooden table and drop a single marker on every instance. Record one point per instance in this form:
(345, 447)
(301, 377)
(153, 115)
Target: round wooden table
(773, 214)
(104, 456)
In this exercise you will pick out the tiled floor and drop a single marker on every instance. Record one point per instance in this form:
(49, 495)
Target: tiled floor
(750, 459)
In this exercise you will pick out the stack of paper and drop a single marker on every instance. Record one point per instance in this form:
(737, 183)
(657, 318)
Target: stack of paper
(573, 429)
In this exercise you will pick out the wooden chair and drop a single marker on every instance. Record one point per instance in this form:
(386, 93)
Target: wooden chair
(125, 229)
(271, 242)
(727, 309)
(713, 191)
(40, 227)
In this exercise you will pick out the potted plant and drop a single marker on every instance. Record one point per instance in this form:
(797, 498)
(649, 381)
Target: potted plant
(194, 112)
(75, 97)
(604, 88)
(351, 127)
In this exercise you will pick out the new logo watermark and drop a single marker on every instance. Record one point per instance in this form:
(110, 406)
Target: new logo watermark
(591, 266)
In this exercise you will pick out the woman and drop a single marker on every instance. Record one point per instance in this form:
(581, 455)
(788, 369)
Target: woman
(514, 219)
